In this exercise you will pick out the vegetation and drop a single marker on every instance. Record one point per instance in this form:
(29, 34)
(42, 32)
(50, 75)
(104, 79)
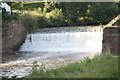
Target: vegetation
(6, 16)
(59, 14)
(103, 66)
(55, 14)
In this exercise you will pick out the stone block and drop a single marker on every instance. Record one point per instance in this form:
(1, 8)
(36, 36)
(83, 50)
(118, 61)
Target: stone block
(111, 40)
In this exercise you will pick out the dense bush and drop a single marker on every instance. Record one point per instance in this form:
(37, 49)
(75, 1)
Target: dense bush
(43, 22)
(7, 16)
(30, 22)
(103, 12)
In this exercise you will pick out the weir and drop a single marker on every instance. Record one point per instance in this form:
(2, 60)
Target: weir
(74, 39)
(51, 46)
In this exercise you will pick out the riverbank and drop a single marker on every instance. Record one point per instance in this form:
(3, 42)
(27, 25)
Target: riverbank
(23, 66)
(103, 66)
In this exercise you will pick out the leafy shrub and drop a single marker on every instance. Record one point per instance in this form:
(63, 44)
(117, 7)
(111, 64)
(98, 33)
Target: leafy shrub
(5, 15)
(30, 22)
(102, 13)
(43, 22)
(14, 16)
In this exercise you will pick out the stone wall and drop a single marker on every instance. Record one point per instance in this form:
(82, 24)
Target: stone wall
(111, 40)
(14, 35)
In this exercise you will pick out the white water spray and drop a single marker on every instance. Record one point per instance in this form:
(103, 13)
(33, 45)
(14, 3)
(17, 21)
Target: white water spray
(78, 40)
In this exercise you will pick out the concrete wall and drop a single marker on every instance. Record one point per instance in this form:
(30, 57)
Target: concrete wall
(111, 40)
(14, 36)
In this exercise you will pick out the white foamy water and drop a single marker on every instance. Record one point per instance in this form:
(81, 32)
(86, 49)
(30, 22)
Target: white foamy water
(63, 41)
(51, 45)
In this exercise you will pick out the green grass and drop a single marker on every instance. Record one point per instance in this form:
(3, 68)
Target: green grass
(103, 66)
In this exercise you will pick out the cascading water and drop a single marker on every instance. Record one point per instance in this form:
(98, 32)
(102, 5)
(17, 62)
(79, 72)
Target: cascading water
(53, 45)
(84, 39)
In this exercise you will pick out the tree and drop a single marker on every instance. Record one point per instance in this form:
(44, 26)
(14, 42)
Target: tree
(103, 12)
(15, 5)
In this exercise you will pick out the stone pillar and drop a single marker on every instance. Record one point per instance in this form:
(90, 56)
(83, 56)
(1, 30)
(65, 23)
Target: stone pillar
(111, 40)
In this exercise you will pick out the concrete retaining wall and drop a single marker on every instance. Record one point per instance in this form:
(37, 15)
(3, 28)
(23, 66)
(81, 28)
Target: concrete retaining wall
(14, 36)
(111, 40)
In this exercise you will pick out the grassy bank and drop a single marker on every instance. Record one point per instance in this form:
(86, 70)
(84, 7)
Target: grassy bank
(103, 66)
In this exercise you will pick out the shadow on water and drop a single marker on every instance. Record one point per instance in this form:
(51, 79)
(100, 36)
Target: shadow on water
(11, 56)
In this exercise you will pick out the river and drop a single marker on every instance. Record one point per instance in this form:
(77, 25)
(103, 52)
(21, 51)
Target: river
(51, 48)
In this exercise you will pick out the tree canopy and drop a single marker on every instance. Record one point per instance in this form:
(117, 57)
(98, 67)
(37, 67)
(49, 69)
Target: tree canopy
(70, 13)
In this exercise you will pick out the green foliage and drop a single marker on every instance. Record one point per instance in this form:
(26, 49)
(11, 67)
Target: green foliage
(32, 5)
(55, 14)
(103, 66)
(39, 10)
(34, 68)
(117, 23)
(30, 22)
(72, 11)
(6, 16)
(55, 17)
(43, 22)
(103, 12)
(15, 5)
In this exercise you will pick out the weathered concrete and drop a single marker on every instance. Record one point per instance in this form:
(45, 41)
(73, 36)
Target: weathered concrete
(14, 36)
(111, 40)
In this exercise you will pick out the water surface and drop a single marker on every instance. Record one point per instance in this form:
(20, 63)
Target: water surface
(53, 44)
